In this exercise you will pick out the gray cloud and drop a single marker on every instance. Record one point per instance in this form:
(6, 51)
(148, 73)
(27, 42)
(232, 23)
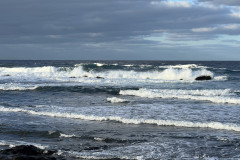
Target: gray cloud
(58, 21)
(104, 26)
(225, 2)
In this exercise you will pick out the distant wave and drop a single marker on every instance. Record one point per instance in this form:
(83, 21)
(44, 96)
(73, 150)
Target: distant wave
(216, 96)
(183, 66)
(159, 122)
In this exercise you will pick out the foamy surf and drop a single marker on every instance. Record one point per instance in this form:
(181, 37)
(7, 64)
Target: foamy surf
(17, 86)
(78, 74)
(215, 96)
(96, 156)
(183, 66)
(159, 122)
(67, 135)
(116, 100)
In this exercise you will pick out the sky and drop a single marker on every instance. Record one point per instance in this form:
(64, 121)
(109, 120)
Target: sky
(120, 30)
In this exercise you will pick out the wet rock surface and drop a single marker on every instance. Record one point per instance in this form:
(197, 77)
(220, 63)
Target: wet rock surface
(28, 152)
(203, 78)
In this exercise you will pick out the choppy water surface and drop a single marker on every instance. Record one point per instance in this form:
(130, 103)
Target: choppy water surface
(122, 109)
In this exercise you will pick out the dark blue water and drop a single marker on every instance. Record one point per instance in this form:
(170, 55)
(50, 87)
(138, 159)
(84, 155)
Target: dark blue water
(122, 109)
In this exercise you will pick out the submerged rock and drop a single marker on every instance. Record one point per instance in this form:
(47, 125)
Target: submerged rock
(27, 152)
(203, 78)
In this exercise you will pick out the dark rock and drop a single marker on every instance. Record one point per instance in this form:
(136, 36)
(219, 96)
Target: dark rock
(85, 76)
(99, 77)
(7, 75)
(27, 152)
(203, 78)
(181, 79)
(72, 77)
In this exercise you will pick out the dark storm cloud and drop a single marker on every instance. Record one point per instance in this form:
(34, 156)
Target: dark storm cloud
(58, 21)
(224, 2)
(100, 29)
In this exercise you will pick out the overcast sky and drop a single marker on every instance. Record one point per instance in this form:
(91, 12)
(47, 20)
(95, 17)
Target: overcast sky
(120, 29)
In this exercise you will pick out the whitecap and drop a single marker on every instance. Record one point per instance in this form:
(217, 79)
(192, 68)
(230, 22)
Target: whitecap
(99, 64)
(159, 122)
(67, 135)
(215, 96)
(78, 74)
(183, 66)
(17, 86)
(116, 100)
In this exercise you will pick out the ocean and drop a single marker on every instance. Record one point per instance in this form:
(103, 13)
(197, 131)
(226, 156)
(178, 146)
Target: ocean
(139, 110)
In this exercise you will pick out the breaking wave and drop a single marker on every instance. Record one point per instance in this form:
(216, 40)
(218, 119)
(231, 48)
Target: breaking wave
(17, 86)
(67, 135)
(63, 87)
(159, 122)
(215, 96)
(183, 66)
(78, 74)
(116, 100)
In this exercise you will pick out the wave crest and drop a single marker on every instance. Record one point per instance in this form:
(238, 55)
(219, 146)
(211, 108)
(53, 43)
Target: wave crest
(216, 96)
(116, 100)
(51, 73)
(159, 122)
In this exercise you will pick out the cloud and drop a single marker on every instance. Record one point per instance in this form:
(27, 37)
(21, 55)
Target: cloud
(172, 4)
(223, 2)
(104, 26)
(204, 29)
(220, 28)
(236, 14)
(103, 20)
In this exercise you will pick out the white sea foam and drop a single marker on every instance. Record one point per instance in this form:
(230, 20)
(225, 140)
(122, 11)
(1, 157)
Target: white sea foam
(98, 139)
(167, 74)
(145, 65)
(17, 86)
(183, 66)
(116, 100)
(22, 86)
(99, 64)
(128, 65)
(50, 73)
(29, 74)
(159, 122)
(67, 135)
(216, 96)
(101, 155)
(220, 78)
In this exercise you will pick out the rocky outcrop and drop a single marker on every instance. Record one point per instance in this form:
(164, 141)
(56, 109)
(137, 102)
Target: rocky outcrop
(27, 152)
(203, 78)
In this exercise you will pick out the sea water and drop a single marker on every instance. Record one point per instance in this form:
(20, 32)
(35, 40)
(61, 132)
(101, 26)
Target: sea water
(122, 109)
